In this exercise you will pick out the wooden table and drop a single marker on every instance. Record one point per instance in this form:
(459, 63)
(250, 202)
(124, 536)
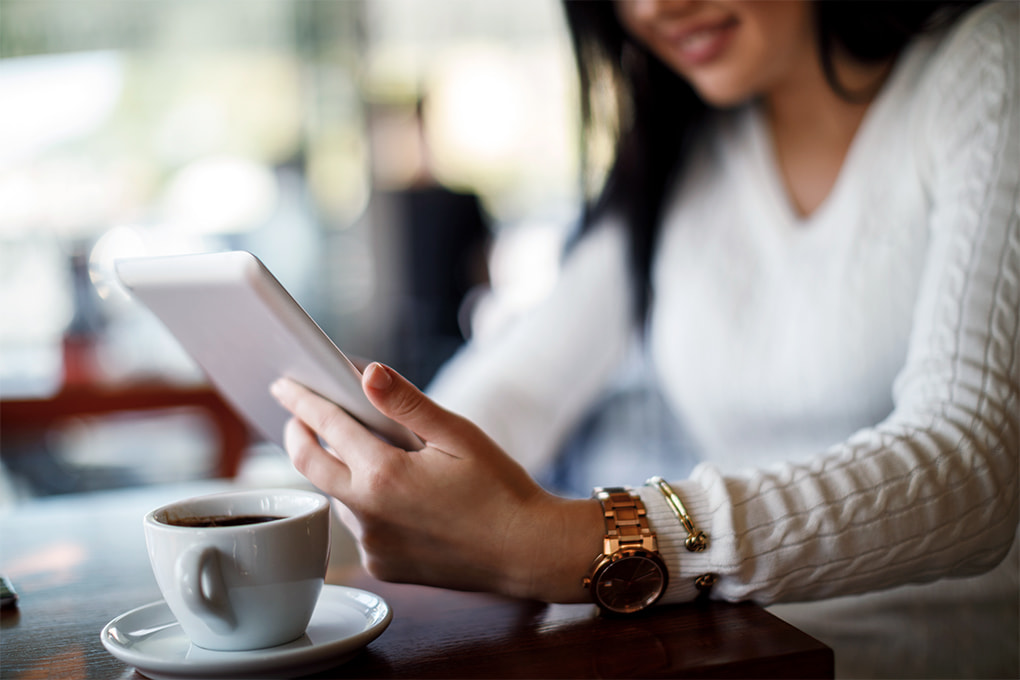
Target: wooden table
(77, 562)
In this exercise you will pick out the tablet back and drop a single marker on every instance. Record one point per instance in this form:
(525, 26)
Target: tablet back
(244, 330)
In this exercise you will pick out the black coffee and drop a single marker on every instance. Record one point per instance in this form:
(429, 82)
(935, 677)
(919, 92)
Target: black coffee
(220, 520)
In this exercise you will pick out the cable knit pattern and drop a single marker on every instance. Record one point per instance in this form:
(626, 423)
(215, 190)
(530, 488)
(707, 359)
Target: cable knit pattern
(852, 378)
(932, 491)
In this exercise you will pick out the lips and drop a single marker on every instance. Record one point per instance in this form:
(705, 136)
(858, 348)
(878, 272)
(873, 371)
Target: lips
(702, 44)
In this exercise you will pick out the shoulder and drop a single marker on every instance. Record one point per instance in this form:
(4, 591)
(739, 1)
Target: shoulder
(988, 25)
(979, 51)
(967, 97)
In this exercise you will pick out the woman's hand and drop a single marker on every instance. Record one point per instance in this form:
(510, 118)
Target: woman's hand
(459, 513)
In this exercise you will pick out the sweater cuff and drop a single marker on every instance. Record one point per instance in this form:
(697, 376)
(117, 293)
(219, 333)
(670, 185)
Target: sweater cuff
(685, 567)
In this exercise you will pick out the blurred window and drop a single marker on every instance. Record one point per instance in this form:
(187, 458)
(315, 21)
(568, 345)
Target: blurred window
(165, 126)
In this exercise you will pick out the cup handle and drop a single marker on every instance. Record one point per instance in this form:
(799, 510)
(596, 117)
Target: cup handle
(202, 588)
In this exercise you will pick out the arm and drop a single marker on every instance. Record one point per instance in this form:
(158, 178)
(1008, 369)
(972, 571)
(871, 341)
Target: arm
(527, 387)
(932, 491)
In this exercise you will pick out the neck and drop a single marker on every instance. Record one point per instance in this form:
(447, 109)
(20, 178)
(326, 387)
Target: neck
(813, 126)
(808, 104)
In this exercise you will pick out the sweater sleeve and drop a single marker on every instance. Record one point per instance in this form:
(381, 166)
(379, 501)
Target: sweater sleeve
(931, 492)
(529, 385)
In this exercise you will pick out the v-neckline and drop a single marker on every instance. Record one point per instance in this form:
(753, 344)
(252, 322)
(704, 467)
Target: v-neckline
(774, 192)
(777, 194)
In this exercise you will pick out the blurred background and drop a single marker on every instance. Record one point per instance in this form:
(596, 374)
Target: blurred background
(407, 169)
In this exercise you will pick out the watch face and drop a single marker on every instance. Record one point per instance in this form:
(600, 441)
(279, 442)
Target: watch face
(630, 583)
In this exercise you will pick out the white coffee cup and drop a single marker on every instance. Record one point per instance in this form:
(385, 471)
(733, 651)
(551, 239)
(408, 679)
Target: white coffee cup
(243, 586)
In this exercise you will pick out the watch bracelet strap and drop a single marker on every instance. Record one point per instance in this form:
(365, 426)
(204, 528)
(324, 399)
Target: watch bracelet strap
(628, 536)
(626, 520)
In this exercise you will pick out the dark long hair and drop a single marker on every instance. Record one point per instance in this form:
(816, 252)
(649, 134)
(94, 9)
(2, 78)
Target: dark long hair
(653, 115)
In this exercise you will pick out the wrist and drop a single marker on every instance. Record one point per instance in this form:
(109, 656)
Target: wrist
(561, 539)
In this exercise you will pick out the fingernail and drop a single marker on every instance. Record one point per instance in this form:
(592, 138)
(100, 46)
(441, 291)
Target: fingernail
(277, 388)
(378, 377)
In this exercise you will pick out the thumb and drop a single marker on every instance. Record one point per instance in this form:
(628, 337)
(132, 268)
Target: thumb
(395, 397)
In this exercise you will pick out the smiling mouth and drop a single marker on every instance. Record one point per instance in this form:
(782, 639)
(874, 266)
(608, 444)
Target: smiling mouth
(703, 44)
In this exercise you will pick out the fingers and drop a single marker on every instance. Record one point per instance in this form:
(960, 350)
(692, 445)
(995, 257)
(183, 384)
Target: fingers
(319, 466)
(394, 396)
(317, 417)
(331, 422)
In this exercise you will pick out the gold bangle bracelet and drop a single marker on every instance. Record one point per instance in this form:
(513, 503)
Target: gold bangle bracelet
(696, 540)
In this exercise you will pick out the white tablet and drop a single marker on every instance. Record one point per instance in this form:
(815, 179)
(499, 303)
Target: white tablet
(244, 330)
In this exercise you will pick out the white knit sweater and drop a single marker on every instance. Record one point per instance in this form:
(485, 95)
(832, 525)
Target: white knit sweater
(852, 379)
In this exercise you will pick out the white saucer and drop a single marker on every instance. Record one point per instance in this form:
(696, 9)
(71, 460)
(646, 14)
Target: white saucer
(344, 621)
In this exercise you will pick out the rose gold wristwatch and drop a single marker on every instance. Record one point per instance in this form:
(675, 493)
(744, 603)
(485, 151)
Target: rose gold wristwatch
(629, 575)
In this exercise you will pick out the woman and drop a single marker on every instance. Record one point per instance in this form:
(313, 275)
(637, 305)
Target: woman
(813, 217)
